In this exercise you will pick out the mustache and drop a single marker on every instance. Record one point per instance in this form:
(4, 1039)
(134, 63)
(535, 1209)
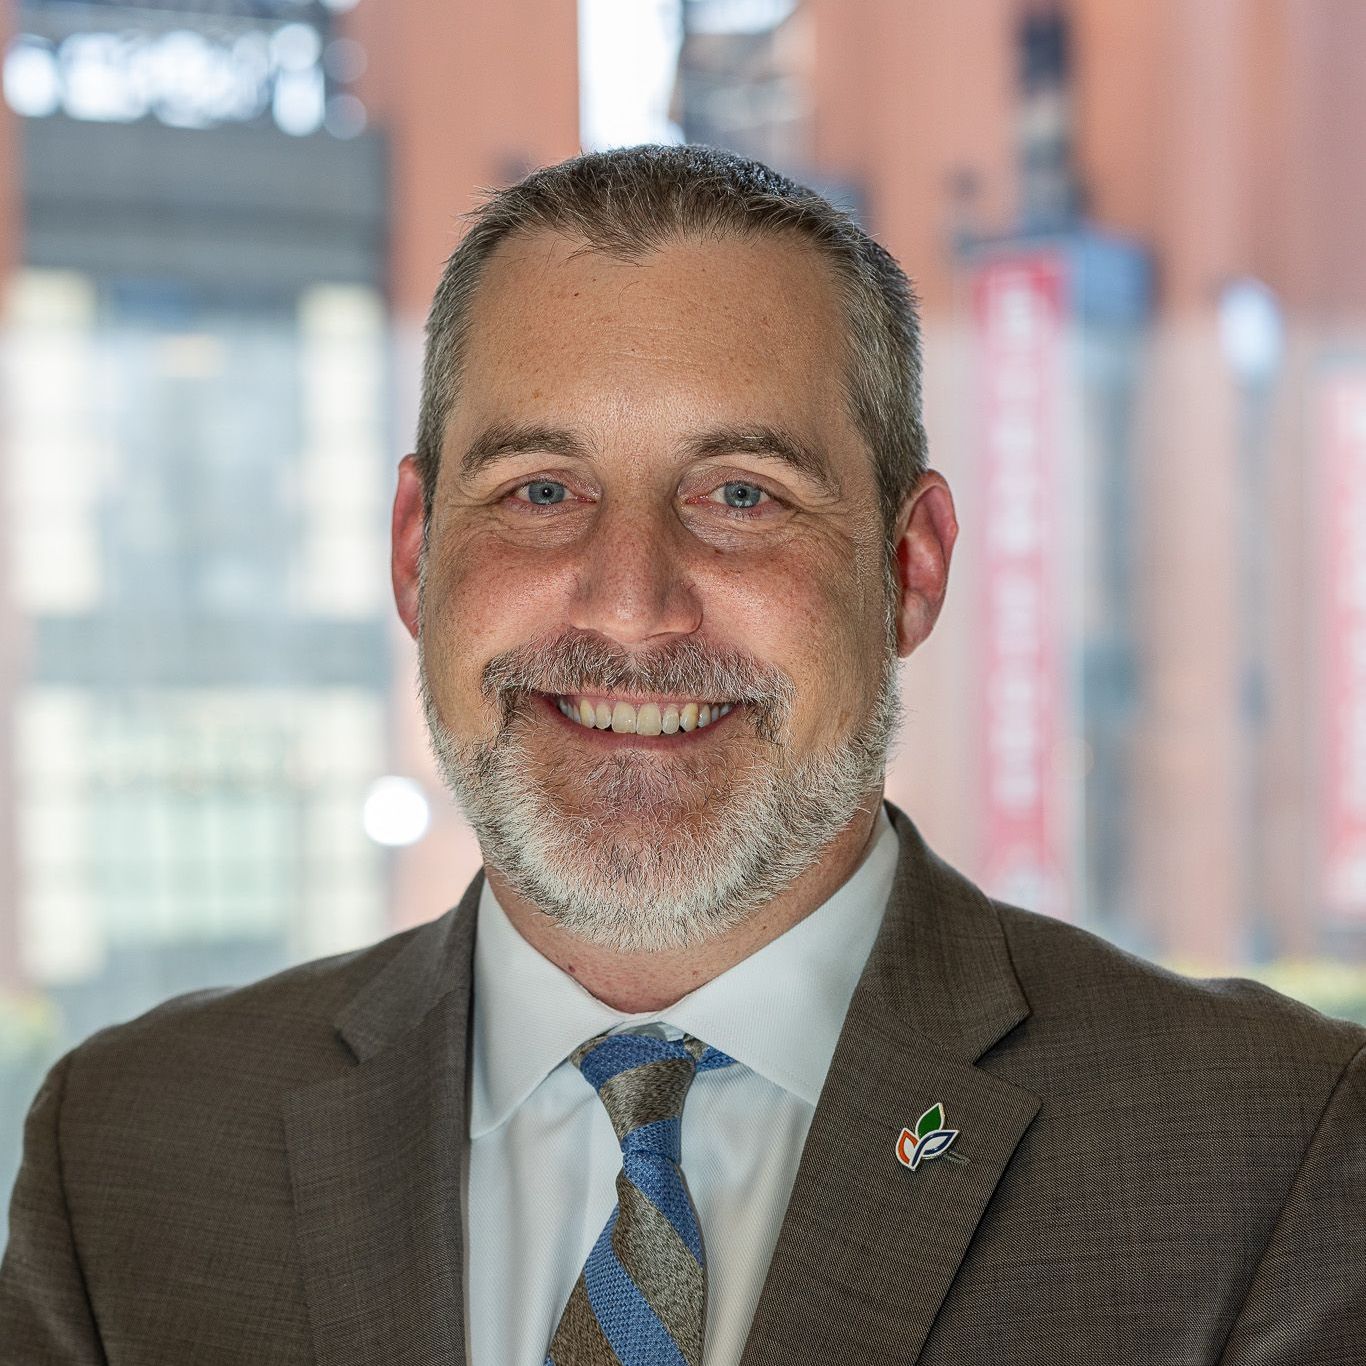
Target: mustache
(584, 662)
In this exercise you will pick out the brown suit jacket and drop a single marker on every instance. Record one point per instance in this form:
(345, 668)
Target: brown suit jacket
(1157, 1170)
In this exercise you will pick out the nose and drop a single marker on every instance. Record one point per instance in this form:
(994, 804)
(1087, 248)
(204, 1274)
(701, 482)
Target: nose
(631, 584)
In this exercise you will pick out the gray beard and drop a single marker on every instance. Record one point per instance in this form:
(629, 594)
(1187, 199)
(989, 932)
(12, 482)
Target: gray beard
(658, 856)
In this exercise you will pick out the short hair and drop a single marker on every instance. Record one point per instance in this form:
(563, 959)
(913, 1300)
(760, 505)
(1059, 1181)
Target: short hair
(632, 201)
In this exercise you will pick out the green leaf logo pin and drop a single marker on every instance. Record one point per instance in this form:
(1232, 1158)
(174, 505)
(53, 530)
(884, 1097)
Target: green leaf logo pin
(930, 1138)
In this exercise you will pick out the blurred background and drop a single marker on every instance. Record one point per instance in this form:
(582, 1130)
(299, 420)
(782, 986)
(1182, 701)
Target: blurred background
(1136, 231)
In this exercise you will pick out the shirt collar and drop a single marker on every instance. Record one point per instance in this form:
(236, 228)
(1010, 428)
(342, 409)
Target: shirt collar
(779, 1011)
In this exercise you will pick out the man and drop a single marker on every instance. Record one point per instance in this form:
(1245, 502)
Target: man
(666, 533)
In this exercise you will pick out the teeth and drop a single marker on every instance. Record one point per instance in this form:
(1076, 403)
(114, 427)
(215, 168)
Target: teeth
(647, 718)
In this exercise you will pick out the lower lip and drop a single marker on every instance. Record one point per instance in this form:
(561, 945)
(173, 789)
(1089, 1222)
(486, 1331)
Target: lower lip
(613, 738)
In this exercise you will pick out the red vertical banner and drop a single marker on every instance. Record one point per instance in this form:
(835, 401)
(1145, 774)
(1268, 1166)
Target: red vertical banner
(1019, 322)
(1341, 438)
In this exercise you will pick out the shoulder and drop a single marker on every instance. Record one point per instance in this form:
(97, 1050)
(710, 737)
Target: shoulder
(1104, 1013)
(250, 1041)
(1184, 1131)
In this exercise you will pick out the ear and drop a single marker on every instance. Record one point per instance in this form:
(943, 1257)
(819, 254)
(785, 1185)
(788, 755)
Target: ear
(405, 558)
(926, 529)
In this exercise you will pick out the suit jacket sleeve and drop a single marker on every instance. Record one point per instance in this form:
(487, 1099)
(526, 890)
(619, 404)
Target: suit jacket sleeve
(45, 1315)
(1307, 1302)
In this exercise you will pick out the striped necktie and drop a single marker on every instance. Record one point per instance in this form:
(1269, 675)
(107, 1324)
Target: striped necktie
(641, 1297)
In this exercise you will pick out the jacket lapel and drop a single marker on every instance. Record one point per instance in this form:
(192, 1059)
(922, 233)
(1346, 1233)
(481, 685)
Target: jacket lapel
(868, 1249)
(375, 1161)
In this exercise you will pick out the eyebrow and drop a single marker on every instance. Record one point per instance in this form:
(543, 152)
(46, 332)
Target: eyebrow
(504, 439)
(770, 442)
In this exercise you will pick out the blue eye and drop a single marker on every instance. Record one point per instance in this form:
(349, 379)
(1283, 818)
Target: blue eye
(738, 495)
(545, 492)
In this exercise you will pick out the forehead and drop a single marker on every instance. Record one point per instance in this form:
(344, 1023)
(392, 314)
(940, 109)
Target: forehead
(728, 330)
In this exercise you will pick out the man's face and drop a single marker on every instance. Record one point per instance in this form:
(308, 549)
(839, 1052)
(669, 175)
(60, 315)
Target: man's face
(653, 507)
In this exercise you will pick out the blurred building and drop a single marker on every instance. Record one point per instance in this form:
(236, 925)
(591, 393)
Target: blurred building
(743, 79)
(1133, 229)
(195, 422)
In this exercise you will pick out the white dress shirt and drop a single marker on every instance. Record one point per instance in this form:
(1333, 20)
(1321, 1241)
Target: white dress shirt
(543, 1159)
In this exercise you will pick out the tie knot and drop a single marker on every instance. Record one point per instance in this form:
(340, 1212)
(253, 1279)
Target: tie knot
(643, 1082)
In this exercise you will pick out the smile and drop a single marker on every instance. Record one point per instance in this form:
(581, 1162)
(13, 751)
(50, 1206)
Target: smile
(639, 718)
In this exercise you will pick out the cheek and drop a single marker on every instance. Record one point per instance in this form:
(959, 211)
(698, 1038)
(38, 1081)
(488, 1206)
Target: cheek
(815, 625)
(482, 598)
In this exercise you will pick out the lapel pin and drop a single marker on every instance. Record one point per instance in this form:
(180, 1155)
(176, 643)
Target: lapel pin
(929, 1139)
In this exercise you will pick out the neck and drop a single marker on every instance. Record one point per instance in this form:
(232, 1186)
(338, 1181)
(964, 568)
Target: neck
(649, 981)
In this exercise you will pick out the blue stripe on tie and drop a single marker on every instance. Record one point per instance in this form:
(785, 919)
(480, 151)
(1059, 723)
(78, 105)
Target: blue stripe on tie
(663, 1188)
(663, 1138)
(713, 1057)
(620, 1052)
(630, 1325)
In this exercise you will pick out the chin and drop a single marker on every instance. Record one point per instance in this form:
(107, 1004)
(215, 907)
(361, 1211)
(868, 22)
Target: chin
(644, 869)
(627, 791)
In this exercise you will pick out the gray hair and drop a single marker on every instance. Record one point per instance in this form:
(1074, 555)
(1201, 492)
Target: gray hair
(630, 202)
